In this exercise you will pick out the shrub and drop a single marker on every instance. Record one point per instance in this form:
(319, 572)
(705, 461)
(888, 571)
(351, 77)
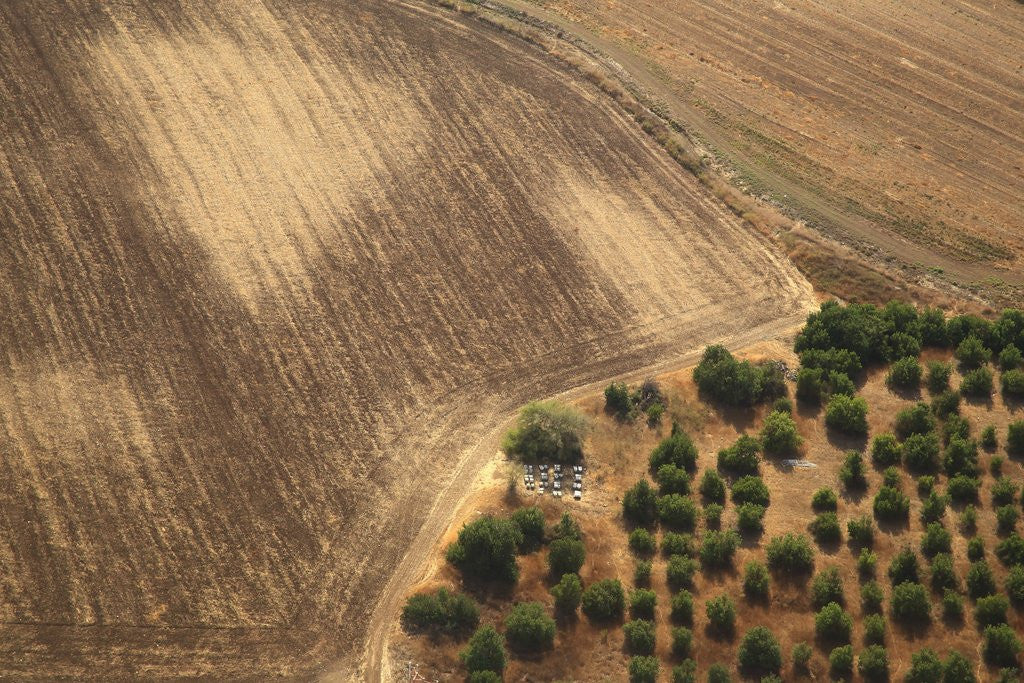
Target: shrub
(801, 656)
(756, 581)
(641, 541)
(642, 573)
(760, 652)
(680, 571)
(485, 651)
(677, 512)
(873, 663)
(654, 413)
(891, 504)
(925, 667)
(977, 383)
(1015, 438)
(676, 544)
(935, 540)
(917, 419)
(975, 549)
(991, 610)
(1010, 358)
(790, 553)
(685, 672)
(921, 452)
(980, 581)
(969, 519)
(721, 613)
(567, 593)
(639, 503)
(682, 608)
(676, 449)
(946, 404)
(741, 457)
(824, 499)
(640, 638)
(718, 673)
(825, 528)
(1010, 550)
(952, 605)
(1015, 585)
(565, 556)
(530, 522)
(961, 457)
(725, 380)
(713, 515)
(718, 548)
(682, 641)
(712, 487)
(547, 431)
(617, 399)
(440, 612)
(891, 478)
(840, 662)
(1004, 491)
(910, 603)
(1000, 645)
(955, 427)
(943, 573)
(972, 352)
(846, 414)
(486, 549)
(989, 441)
(963, 488)
(851, 474)
(938, 376)
(567, 527)
(643, 669)
(1013, 383)
(604, 600)
(749, 518)
(827, 587)
(779, 435)
(750, 489)
(904, 374)
(861, 531)
(672, 479)
(866, 563)
(832, 624)
(886, 451)
(1006, 519)
(529, 629)
(925, 485)
(903, 567)
(958, 669)
(871, 598)
(641, 603)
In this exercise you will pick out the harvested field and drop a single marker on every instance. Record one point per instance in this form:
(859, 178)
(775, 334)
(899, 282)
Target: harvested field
(896, 127)
(270, 272)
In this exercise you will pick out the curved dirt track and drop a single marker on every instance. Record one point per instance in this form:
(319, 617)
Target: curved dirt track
(890, 125)
(269, 271)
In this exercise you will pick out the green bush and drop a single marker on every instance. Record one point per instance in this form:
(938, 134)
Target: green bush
(824, 499)
(840, 662)
(980, 581)
(891, 504)
(958, 669)
(975, 549)
(886, 451)
(641, 603)
(750, 489)
(851, 474)
(1010, 550)
(760, 652)
(1010, 358)
(1006, 518)
(925, 485)
(946, 404)
(1004, 491)
(790, 553)
(713, 515)
(643, 669)
(565, 556)
(925, 667)
(530, 522)
(485, 651)
(676, 544)
(528, 628)
(963, 488)
(832, 624)
(917, 419)
(1013, 383)
(685, 672)
(640, 637)
(741, 457)
(936, 540)
(904, 374)
(604, 600)
(749, 518)
(672, 479)
(718, 548)
(756, 581)
(547, 431)
(972, 352)
(639, 504)
(617, 399)
(677, 512)
(486, 549)
(567, 527)
(891, 478)
(943, 573)
(961, 457)
(910, 603)
(903, 567)
(676, 449)
(1015, 585)
(712, 487)
(641, 541)
(722, 378)
(847, 415)
(861, 531)
(866, 562)
(873, 663)
(801, 656)
(977, 383)
(642, 573)
(568, 592)
(721, 614)
(682, 608)
(779, 435)
(991, 610)
(1015, 438)
(1000, 645)
(952, 605)
(989, 441)
(921, 452)
(871, 598)
(718, 673)
(933, 508)
(938, 376)
(827, 587)
(440, 612)
(680, 571)
(682, 641)
(825, 528)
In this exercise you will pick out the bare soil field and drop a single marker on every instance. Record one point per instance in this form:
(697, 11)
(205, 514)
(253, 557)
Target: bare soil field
(616, 456)
(894, 127)
(272, 275)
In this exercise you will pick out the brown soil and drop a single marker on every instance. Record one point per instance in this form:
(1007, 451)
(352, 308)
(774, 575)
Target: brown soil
(616, 456)
(274, 276)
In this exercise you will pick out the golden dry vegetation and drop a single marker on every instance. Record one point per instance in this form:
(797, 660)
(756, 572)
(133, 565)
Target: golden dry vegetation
(272, 275)
(616, 455)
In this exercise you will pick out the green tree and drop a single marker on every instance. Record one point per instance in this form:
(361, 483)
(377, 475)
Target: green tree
(712, 487)
(718, 548)
(977, 383)
(827, 587)
(641, 541)
(639, 504)
(547, 431)
(567, 593)
(958, 669)
(886, 451)
(676, 449)
(440, 612)
(718, 673)
(791, 553)
(760, 652)
(682, 641)
(1015, 438)
(980, 581)
(756, 581)
(1000, 645)
(846, 414)
(779, 435)
(485, 651)
(825, 528)
(528, 628)
(921, 452)
(722, 378)
(677, 512)
(742, 457)
(1013, 383)
(1010, 358)
(604, 600)
(925, 667)
(938, 376)
(903, 566)
(721, 614)
(672, 479)
(486, 549)
(682, 608)
(972, 352)
(832, 624)
(840, 662)
(910, 603)
(530, 522)
(750, 489)
(873, 663)
(851, 474)
(640, 637)
(991, 610)
(824, 500)
(917, 419)
(904, 374)
(641, 603)
(566, 556)
(617, 399)
(643, 669)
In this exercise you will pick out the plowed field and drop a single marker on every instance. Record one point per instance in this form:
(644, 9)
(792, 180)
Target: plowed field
(266, 269)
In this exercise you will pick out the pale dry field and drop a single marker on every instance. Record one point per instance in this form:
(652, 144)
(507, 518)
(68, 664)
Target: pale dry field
(268, 270)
